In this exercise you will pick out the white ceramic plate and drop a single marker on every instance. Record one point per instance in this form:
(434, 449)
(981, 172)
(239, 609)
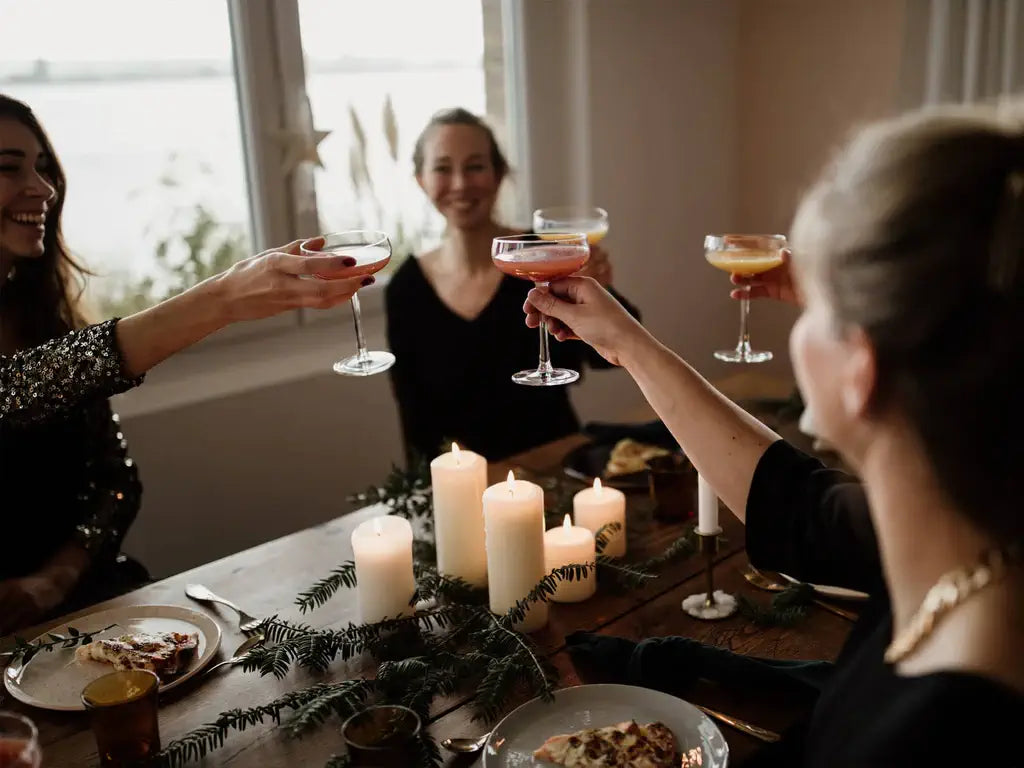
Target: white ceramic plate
(513, 740)
(54, 679)
(840, 593)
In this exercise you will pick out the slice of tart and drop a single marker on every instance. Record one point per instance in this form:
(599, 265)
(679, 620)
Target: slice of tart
(167, 654)
(626, 744)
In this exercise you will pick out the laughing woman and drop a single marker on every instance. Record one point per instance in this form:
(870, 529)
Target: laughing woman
(68, 489)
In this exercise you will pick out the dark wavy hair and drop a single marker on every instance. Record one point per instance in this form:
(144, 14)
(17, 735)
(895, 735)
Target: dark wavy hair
(43, 300)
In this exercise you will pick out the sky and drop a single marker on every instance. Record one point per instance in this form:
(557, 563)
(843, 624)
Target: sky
(163, 30)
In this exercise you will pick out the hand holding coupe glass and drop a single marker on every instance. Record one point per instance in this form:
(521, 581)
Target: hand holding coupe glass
(560, 248)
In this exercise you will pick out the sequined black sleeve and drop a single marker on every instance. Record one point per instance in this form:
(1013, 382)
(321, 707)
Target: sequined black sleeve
(47, 381)
(110, 491)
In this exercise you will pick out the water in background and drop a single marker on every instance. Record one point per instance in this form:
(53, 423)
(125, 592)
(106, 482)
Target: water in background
(141, 154)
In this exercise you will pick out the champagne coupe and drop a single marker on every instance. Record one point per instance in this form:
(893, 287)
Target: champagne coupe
(19, 742)
(569, 219)
(372, 251)
(542, 260)
(744, 255)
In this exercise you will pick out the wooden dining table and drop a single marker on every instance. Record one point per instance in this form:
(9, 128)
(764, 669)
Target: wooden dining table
(264, 580)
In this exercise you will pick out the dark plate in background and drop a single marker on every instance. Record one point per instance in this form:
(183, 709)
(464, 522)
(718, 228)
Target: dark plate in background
(589, 461)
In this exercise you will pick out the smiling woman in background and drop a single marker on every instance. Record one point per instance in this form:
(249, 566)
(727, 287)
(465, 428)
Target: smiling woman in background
(452, 315)
(68, 490)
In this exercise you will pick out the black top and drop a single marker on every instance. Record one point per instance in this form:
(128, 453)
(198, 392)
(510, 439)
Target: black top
(64, 470)
(813, 523)
(453, 377)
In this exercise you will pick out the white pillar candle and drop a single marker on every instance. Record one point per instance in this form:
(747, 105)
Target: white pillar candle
(385, 584)
(514, 530)
(595, 507)
(707, 507)
(568, 544)
(458, 480)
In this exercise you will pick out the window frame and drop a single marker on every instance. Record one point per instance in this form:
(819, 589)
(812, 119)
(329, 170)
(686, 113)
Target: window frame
(272, 99)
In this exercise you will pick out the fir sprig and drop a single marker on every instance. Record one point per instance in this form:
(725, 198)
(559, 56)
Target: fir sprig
(787, 608)
(604, 535)
(311, 707)
(24, 650)
(318, 594)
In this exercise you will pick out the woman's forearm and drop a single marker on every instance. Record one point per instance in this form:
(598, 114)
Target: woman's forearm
(151, 336)
(722, 440)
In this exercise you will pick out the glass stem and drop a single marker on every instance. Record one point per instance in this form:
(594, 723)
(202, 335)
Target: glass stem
(744, 343)
(544, 366)
(358, 321)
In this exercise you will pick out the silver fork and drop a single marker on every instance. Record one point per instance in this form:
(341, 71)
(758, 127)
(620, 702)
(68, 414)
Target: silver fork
(246, 622)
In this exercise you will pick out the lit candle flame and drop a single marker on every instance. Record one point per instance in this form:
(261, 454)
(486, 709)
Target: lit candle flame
(567, 523)
(510, 481)
(597, 485)
(455, 450)
(377, 527)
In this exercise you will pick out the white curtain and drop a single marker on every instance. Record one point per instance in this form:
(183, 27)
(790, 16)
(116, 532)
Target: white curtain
(964, 50)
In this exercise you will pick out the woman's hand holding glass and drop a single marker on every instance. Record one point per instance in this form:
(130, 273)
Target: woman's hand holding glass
(579, 308)
(271, 282)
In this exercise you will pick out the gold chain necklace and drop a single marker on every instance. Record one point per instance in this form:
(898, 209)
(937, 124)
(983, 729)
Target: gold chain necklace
(949, 591)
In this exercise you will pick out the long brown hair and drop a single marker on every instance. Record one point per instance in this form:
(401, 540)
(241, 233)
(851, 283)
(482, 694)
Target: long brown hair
(916, 235)
(43, 299)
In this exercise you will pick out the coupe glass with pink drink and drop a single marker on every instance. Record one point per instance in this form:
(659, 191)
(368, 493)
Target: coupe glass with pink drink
(542, 260)
(372, 251)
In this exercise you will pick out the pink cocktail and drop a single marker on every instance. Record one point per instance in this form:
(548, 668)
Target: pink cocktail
(372, 252)
(544, 263)
(541, 261)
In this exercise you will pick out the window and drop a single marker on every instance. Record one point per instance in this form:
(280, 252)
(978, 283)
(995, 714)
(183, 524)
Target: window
(374, 87)
(177, 125)
(143, 114)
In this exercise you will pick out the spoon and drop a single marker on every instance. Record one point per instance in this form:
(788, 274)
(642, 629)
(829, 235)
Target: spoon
(762, 581)
(240, 653)
(464, 746)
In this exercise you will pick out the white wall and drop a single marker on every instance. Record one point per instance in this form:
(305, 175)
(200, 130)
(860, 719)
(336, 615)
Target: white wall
(662, 107)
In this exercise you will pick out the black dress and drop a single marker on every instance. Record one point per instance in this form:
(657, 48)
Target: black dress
(452, 376)
(813, 523)
(65, 474)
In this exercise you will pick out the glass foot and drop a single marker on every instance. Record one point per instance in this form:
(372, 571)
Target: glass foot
(365, 365)
(551, 378)
(743, 354)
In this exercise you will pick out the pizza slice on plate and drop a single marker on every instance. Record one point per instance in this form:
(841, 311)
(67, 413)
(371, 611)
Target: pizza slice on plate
(628, 744)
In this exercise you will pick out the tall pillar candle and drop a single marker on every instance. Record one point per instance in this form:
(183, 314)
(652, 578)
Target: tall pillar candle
(595, 507)
(458, 480)
(514, 529)
(707, 507)
(382, 548)
(568, 544)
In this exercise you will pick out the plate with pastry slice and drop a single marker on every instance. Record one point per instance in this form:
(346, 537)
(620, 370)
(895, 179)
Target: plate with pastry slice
(601, 725)
(620, 464)
(172, 641)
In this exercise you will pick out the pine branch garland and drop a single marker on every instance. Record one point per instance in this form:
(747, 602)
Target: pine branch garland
(454, 645)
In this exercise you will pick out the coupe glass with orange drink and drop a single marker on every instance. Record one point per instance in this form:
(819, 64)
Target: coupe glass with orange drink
(570, 219)
(744, 255)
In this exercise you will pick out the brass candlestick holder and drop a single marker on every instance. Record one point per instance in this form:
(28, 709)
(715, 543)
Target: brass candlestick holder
(712, 604)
